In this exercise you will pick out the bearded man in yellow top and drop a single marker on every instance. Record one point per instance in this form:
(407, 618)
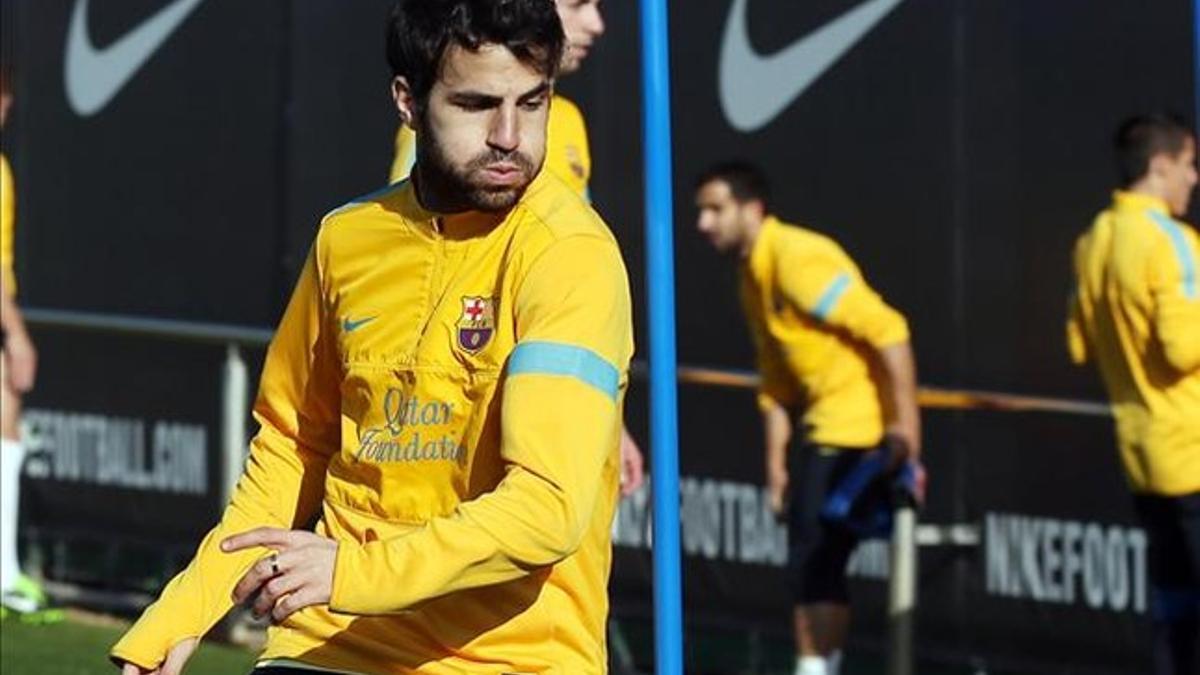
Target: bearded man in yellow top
(834, 359)
(568, 157)
(443, 397)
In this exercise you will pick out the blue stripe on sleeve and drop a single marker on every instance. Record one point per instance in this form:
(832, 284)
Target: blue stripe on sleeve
(829, 299)
(556, 358)
(1187, 259)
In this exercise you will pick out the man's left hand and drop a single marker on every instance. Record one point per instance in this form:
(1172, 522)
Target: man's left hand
(903, 444)
(298, 573)
(633, 473)
(20, 368)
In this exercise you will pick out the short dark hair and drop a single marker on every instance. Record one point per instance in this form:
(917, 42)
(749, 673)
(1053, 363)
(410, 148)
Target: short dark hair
(1140, 138)
(746, 181)
(419, 31)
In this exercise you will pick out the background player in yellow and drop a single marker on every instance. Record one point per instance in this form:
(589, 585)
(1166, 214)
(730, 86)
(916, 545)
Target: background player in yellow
(1136, 313)
(831, 354)
(443, 396)
(568, 156)
(18, 365)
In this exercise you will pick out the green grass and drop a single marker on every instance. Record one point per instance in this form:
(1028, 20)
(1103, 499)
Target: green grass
(80, 647)
(76, 648)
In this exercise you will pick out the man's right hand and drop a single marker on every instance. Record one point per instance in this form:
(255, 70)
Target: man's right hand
(172, 665)
(21, 367)
(903, 445)
(777, 483)
(777, 433)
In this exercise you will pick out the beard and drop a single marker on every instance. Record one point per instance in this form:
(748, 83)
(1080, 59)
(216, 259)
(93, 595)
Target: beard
(449, 188)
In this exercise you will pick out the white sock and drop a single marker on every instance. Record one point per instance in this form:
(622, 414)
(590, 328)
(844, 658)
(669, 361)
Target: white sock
(11, 455)
(835, 662)
(811, 665)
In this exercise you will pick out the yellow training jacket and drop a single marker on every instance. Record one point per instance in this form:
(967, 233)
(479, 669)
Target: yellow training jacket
(8, 218)
(1136, 311)
(567, 153)
(815, 321)
(446, 394)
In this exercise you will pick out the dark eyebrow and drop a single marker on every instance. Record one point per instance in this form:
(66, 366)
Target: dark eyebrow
(540, 90)
(474, 99)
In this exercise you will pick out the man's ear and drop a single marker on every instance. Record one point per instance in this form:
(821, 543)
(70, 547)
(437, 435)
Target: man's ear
(406, 103)
(757, 209)
(1159, 164)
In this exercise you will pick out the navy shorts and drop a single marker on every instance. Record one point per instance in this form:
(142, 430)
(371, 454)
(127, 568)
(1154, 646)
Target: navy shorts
(817, 549)
(1172, 526)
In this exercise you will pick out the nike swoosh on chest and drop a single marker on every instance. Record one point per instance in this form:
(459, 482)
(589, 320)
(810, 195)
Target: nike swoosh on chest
(427, 306)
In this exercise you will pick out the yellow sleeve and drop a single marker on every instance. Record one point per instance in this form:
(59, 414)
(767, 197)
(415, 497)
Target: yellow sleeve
(560, 420)
(776, 385)
(406, 154)
(8, 217)
(1174, 279)
(568, 154)
(1077, 314)
(281, 486)
(832, 291)
(1077, 345)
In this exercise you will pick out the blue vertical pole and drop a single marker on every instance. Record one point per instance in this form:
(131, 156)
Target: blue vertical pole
(1196, 62)
(660, 284)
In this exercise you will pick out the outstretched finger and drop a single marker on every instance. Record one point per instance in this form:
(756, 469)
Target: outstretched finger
(269, 537)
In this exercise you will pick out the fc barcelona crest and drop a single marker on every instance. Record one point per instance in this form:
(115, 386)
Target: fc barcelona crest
(477, 324)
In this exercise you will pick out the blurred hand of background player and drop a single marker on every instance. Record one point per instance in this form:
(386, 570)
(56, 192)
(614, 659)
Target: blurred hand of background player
(299, 573)
(902, 444)
(906, 447)
(172, 665)
(20, 366)
(633, 466)
(777, 483)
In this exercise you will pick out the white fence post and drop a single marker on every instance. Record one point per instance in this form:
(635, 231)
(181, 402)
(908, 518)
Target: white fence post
(234, 402)
(902, 592)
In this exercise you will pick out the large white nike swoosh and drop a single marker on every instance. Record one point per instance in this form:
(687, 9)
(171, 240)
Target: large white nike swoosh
(94, 76)
(755, 89)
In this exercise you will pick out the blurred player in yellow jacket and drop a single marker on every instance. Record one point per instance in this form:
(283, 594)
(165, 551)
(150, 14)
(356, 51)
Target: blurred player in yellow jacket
(1136, 313)
(443, 396)
(831, 351)
(568, 156)
(18, 366)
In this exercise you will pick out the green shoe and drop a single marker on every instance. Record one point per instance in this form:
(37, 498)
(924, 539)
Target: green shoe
(27, 586)
(44, 617)
(18, 603)
(24, 597)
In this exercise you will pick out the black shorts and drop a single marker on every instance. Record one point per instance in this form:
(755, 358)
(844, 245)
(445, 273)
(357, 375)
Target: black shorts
(819, 550)
(1172, 526)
